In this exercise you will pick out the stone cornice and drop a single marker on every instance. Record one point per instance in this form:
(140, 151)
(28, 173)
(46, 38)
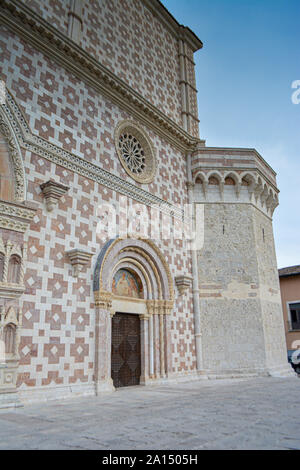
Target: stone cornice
(235, 151)
(53, 43)
(209, 158)
(16, 217)
(178, 30)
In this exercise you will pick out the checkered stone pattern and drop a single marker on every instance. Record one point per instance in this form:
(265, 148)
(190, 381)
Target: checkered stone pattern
(66, 112)
(130, 41)
(57, 343)
(53, 11)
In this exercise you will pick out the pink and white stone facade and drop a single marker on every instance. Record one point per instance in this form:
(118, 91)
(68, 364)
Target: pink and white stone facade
(66, 94)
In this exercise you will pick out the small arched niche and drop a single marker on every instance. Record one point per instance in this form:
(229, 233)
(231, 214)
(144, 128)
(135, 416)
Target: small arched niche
(127, 284)
(229, 181)
(14, 269)
(9, 334)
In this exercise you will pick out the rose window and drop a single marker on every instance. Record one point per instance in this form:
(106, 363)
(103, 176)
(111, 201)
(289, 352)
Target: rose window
(135, 152)
(132, 153)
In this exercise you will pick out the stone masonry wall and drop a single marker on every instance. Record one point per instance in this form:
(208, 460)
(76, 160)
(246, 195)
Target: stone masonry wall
(232, 330)
(275, 342)
(57, 342)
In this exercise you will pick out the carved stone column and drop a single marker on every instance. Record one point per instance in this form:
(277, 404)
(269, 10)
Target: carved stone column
(144, 319)
(103, 380)
(168, 350)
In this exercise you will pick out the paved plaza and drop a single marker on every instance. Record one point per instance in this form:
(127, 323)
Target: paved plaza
(260, 413)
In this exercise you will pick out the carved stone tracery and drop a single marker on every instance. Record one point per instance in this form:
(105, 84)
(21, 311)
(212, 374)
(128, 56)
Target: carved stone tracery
(10, 326)
(15, 155)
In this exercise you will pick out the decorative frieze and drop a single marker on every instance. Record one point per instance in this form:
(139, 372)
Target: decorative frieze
(52, 192)
(78, 259)
(103, 299)
(16, 217)
(235, 186)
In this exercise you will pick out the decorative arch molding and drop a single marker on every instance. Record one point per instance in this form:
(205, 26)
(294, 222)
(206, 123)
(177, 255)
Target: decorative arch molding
(144, 257)
(146, 262)
(260, 192)
(15, 155)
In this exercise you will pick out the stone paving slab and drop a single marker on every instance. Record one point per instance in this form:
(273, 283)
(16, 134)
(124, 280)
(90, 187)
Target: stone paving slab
(256, 413)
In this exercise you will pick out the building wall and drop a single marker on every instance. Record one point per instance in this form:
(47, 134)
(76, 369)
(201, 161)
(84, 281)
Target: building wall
(128, 39)
(236, 278)
(228, 280)
(290, 291)
(275, 344)
(57, 340)
(239, 293)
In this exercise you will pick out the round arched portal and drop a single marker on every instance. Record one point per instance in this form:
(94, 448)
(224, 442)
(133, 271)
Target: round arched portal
(134, 292)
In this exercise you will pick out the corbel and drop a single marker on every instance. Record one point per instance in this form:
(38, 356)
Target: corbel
(52, 192)
(183, 283)
(78, 259)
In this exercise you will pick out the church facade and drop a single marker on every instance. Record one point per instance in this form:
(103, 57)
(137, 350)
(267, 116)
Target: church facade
(130, 252)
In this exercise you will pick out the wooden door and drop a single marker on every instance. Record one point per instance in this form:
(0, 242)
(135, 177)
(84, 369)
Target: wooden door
(126, 350)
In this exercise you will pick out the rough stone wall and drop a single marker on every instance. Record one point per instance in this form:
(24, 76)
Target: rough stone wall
(232, 330)
(275, 342)
(57, 341)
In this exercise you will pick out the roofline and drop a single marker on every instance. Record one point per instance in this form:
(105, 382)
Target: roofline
(179, 30)
(289, 275)
(296, 273)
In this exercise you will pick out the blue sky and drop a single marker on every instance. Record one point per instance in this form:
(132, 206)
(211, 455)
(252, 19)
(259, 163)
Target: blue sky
(250, 57)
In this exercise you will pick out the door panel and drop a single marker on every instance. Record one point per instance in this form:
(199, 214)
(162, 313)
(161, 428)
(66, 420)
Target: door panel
(126, 350)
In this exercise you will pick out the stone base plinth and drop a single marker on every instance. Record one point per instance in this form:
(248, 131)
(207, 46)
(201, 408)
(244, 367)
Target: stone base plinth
(104, 387)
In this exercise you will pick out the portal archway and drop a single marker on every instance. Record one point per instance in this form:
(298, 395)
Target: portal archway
(147, 291)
